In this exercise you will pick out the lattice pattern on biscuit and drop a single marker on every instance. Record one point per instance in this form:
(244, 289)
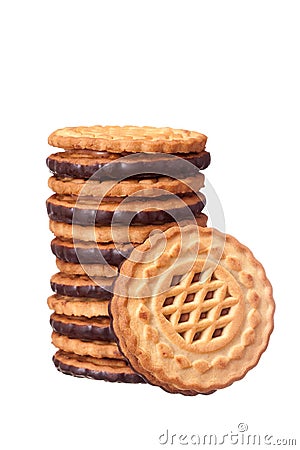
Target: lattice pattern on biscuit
(199, 314)
(149, 327)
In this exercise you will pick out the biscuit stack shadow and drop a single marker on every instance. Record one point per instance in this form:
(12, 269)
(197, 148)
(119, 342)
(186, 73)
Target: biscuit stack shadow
(81, 221)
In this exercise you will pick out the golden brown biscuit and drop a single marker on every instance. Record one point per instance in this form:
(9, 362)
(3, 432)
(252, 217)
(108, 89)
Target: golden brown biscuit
(74, 186)
(196, 323)
(92, 270)
(97, 349)
(104, 234)
(131, 139)
(78, 306)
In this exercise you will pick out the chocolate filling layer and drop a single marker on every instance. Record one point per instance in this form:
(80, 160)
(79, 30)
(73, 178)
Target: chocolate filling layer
(87, 216)
(86, 164)
(97, 374)
(76, 290)
(85, 331)
(75, 253)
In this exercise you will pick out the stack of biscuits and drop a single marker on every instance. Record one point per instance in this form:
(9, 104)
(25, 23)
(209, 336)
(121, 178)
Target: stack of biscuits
(113, 187)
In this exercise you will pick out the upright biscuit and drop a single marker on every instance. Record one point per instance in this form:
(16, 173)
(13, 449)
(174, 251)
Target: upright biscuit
(196, 320)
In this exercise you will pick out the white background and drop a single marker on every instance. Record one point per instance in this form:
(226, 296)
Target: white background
(229, 69)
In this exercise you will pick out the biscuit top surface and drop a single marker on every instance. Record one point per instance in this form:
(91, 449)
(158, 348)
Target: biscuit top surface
(128, 138)
(196, 309)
